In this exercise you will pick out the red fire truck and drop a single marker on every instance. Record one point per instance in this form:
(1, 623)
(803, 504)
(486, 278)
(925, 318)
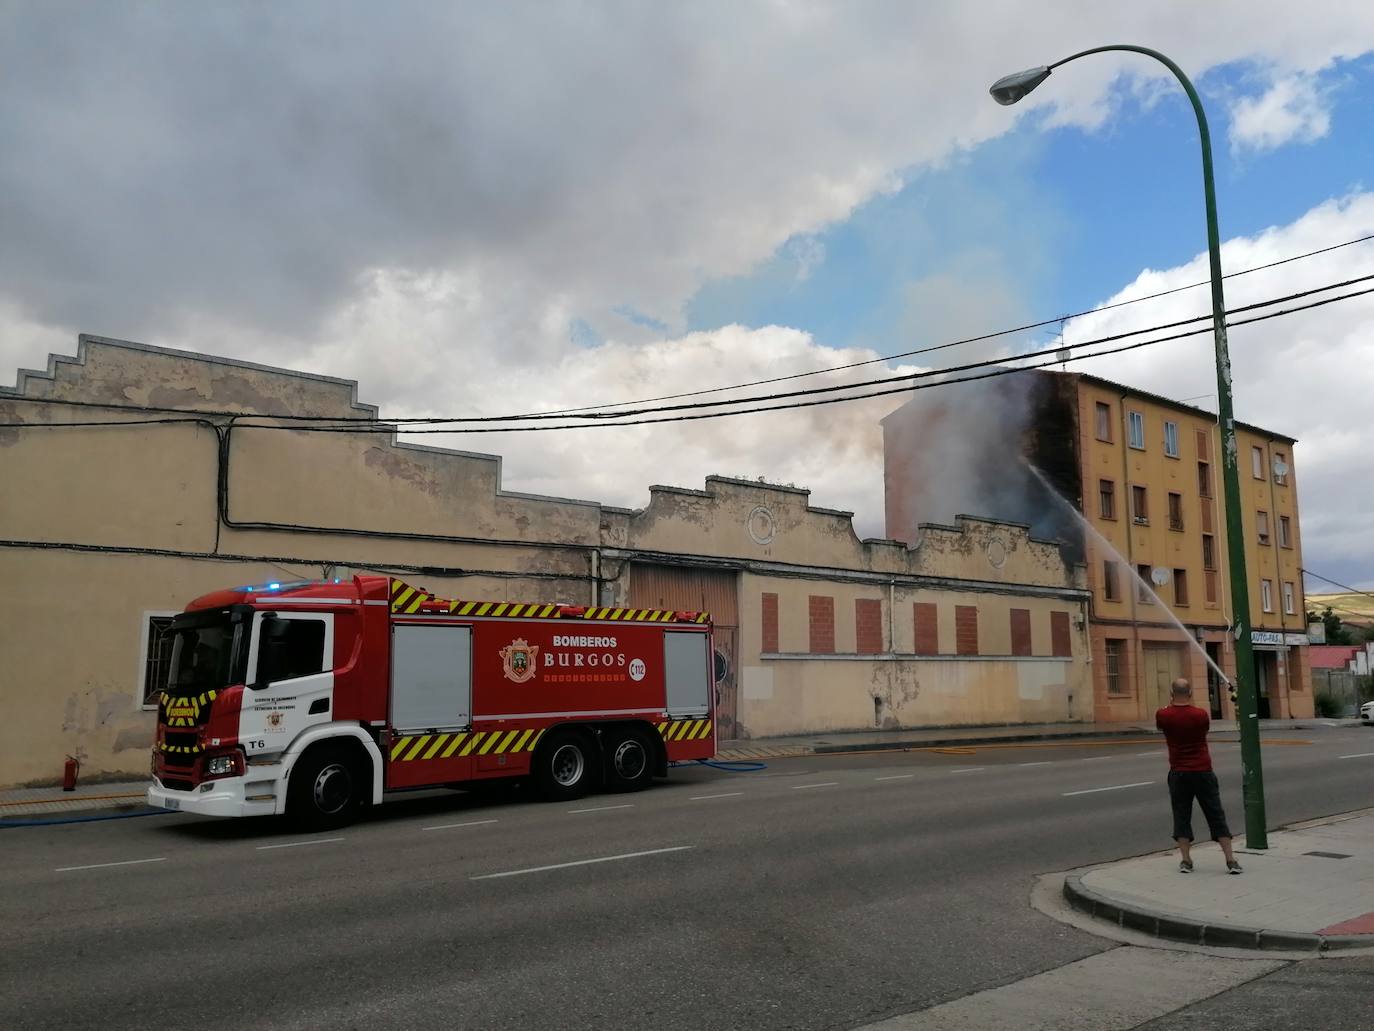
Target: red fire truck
(316, 699)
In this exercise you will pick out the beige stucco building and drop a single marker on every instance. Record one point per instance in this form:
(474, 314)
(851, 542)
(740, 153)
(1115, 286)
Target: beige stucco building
(105, 531)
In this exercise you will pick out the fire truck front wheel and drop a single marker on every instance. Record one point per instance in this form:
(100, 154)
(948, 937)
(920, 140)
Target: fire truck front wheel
(325, 789)
(565, 765)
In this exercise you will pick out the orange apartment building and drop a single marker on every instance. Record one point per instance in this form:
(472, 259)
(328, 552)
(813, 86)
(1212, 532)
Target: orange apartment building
(1144, 473)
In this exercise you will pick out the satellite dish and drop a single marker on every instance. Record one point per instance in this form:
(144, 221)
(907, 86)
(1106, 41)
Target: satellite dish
(1160, 576)
(1280, 468)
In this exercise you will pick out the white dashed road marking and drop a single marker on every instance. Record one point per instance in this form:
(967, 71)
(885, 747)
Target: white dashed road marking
(703, 798)
(1114, 787)
(99, 866)
(293, 844)
(897, 776)
(580, 862)
(602, 808)
(823, 784)
(452, 826)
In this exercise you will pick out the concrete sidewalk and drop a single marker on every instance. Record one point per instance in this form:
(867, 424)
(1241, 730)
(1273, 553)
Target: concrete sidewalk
(30, 803)
(954, 737)
(1311, 890)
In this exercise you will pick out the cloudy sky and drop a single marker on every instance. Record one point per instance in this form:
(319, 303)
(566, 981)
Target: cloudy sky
(476, 208)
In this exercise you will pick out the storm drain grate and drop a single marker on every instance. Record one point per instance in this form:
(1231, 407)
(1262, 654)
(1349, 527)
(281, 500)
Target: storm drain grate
(1327, 855)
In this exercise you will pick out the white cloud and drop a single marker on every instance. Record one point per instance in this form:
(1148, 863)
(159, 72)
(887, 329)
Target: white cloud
(1294, 109)
(1309, 375)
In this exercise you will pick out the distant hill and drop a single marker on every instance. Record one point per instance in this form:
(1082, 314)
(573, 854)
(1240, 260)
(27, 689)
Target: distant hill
(1354, 609)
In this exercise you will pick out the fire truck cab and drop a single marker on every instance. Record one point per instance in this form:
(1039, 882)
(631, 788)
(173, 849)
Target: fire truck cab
(318, 699)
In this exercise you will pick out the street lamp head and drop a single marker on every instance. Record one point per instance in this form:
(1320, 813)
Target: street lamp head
(1011, 88)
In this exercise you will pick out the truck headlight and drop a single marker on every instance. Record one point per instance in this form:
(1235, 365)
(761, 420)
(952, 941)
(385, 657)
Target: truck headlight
(220, 766)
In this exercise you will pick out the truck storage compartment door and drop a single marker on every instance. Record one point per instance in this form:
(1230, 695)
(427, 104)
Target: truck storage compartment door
(687, 670)
(431, 677)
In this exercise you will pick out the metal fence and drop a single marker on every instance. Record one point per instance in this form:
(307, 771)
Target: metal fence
(1347, 691)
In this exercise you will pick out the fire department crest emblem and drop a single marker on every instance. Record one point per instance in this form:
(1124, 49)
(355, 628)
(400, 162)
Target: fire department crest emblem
(519, 660)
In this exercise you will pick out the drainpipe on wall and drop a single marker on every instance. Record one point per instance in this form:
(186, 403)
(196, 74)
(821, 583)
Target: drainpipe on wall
(596, 576)
(891, 616)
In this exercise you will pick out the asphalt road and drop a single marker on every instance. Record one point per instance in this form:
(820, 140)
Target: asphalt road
(824, 892)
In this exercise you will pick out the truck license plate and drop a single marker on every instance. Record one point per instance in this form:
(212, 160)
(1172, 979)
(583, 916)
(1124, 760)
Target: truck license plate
(171, 803)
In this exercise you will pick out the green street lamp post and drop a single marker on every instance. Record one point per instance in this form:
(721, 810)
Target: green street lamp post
(1010, 89)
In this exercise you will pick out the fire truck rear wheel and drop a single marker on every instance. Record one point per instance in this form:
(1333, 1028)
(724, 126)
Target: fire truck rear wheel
(563, 766)
(325, 790)
(629, 760)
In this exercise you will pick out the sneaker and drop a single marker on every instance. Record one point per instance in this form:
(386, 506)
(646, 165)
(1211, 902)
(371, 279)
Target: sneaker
(1185, 866)
(1233, 867)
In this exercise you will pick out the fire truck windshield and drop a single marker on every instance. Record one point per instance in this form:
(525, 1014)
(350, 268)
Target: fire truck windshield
(204, 655)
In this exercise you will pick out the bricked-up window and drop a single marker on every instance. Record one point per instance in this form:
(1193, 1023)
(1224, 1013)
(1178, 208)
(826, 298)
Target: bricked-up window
(1020, 632)
(1175, 511)
(1116, 667)
(1209, 551)
(770, 623)
(1285, 532)
(966, 629)
(926, 622)
(1104, 422)
(822, 619)
(1061, 640)
(157, 658)
(1180, 587)
(1106, 498)
(1111, 581)
(868, 626)
(1142, 592)
(1140, 504)
(1204, 479)
(1262, 526)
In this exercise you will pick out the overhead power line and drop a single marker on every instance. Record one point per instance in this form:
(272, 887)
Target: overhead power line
(1326, 579)
(758, 403)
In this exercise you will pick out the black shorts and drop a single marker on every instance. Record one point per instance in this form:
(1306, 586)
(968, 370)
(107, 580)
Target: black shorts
(1184, 786)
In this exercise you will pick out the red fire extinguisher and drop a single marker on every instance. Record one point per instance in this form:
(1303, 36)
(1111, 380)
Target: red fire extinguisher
(69, 772)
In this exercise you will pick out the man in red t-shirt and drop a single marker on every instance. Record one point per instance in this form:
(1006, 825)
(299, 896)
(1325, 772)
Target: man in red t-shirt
(1190, 775)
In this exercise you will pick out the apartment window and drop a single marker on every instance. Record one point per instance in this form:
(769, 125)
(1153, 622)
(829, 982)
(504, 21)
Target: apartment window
(1106, 498)
(1257, 462)
(1285, 532)
(1111, 581)
(1204, 479)
(1280, 468)
(1209, 551)
(1136, 422)
(1267, 595)
(1288, 597)
(1209, 585)
(1175, 511)
(1020, 632)
(1140, 510)
(1171, 439)
(1180, 587)
(1116, 683)
(1104, 421)
(157, 658)
(1262, 525)
(1142, 590)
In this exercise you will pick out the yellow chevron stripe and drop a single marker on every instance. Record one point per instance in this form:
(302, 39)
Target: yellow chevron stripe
(535, 743)
(398, 601)
(706, 729)
(662, 727)
(505, 742)
(438, 744)
(688, 729)
(414, 606)
(491, 740)
(500, 610)
(457, 740)
(472, 743)
(399, 747)
(453, 605)
(483, 609)
(519, 746)
(546, 611)
(515, 610)
(468, 607)
(420, 743)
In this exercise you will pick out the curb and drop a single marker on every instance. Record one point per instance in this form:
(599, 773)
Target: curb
(885, 746)
(1196, 932)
